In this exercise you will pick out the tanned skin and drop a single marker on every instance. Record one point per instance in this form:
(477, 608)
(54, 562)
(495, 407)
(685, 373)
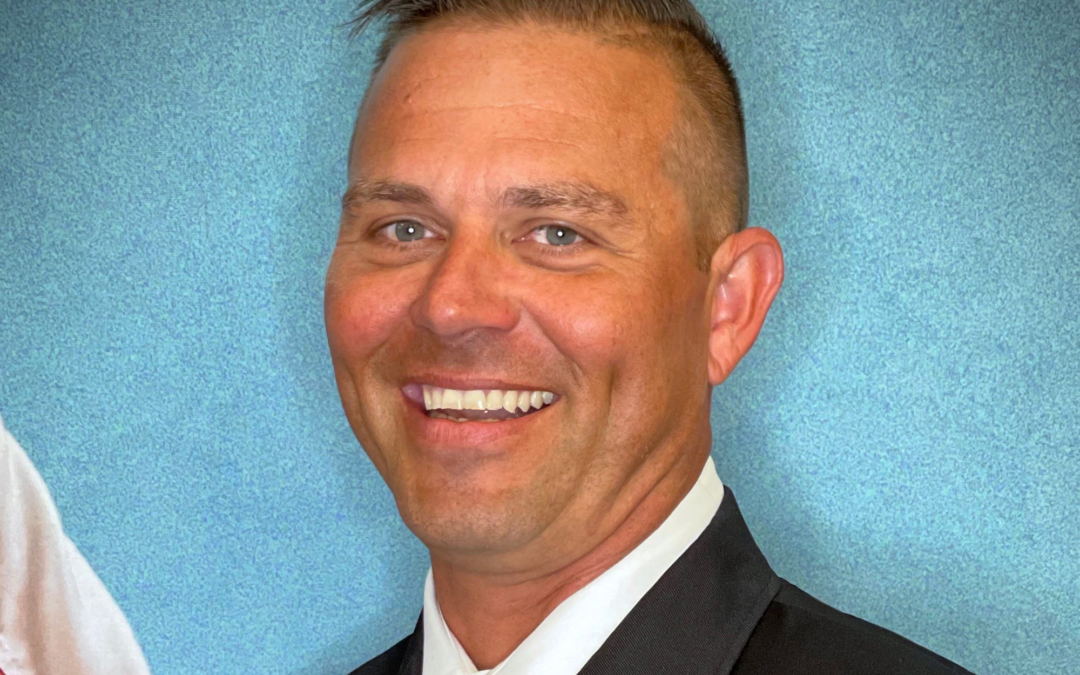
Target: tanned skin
(621, 324)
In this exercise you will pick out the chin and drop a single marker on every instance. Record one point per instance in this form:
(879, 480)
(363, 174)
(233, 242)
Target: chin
(475, 521)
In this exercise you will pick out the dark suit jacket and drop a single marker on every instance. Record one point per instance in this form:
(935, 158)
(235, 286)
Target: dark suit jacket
(720, 610)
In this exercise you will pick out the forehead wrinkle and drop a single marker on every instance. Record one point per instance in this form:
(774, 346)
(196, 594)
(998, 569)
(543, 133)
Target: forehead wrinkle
(416, 68)
(421, 111)
(539, 139)
(424, 120)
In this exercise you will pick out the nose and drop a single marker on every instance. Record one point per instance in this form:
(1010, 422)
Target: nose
(467, 290)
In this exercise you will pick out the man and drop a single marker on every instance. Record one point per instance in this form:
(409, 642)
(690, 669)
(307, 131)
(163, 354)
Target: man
(543, 269)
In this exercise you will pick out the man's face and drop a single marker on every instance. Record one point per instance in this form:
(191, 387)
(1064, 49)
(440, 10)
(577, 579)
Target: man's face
(510, 228)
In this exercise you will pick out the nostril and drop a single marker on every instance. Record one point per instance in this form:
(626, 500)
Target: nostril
(454, 318)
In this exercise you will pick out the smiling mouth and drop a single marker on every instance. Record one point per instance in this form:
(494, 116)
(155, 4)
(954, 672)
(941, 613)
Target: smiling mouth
(480, 405)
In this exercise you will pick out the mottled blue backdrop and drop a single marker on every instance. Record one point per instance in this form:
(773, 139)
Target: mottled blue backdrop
(904, 438)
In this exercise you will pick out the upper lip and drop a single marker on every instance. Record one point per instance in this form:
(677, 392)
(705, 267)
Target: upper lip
(472, 383)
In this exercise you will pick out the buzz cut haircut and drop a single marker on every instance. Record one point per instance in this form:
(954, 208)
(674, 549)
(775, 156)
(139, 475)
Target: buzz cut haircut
(706, 151)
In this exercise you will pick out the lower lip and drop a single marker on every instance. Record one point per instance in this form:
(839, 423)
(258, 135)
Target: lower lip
(459, 438)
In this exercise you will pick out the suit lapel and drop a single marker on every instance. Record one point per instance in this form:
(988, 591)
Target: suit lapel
(699, 615)
(412, 661)
(694, 621)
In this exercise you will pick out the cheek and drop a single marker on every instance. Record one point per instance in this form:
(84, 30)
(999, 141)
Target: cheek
(606, 326)
(362, 309)
(634, 339)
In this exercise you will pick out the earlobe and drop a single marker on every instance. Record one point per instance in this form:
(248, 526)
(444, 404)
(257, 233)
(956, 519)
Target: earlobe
(746, 273)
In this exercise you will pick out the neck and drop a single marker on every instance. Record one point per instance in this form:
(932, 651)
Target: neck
(490, 614)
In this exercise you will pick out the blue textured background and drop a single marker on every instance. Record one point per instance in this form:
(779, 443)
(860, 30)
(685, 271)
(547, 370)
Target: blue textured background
(903, 439)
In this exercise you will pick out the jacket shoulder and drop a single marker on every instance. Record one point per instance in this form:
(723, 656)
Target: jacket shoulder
(387, 663)
(799, 634)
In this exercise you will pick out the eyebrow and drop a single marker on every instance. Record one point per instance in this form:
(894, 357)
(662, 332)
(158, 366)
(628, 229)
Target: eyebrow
(571, 195)
(363, 191)
(579, 196)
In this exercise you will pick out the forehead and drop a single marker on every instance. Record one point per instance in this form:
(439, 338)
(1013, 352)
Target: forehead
(516, 102)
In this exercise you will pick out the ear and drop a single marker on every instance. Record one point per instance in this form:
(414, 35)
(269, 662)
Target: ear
(746, 272)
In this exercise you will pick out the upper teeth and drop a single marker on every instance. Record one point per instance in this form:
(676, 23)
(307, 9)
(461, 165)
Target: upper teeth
(437, 398)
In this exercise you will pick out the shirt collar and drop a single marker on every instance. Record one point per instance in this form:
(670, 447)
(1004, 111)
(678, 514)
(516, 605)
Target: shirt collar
(566, 639)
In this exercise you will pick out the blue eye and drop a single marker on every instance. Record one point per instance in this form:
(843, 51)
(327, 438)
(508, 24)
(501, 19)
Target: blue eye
(560, 235)
(409, 230)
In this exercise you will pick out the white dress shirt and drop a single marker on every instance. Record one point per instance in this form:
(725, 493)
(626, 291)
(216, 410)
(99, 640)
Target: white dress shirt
(56, 617)
(568, 637)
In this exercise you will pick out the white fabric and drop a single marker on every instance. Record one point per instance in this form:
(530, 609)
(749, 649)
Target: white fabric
(569, 636)
(56, 617)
